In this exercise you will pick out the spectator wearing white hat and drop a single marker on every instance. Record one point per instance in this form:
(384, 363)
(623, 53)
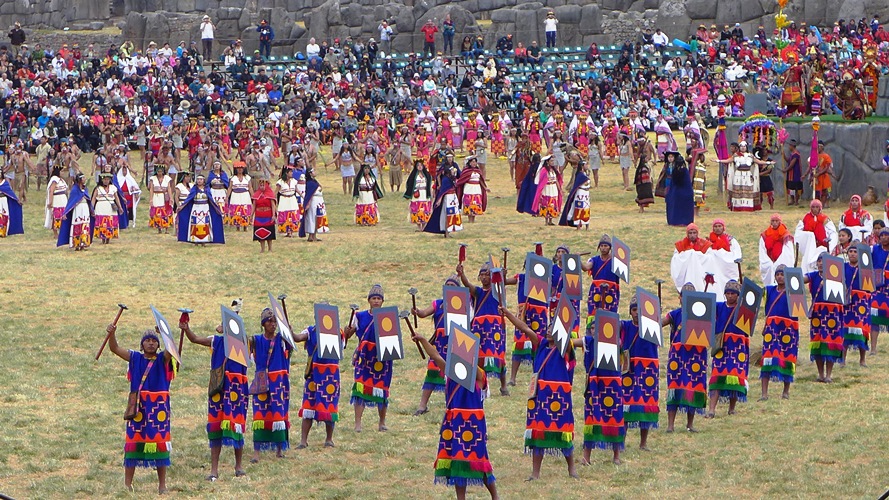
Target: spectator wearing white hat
(207, 34)
(549, 25)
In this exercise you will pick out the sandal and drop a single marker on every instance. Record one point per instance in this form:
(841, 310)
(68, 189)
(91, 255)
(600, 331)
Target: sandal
(421, 411)
(212, 478)
(240, 473)
(504, 391)
(764, 398)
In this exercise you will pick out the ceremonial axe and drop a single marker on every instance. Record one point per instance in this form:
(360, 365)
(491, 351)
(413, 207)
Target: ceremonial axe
(123, 307)
(505, 251)
(659, 283)
(403, 315)
(283, 298)
(461, 256)
(183, 318)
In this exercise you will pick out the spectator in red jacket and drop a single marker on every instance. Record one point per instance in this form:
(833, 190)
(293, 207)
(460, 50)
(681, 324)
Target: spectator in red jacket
(429, 30)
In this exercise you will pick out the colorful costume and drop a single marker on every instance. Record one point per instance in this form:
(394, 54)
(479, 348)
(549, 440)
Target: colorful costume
(576, 211)
(419, 192)
(602, 277)
(160, 212)
(879, 304)
(780, 338)
(488, 325)
(11, 212)
(200, 219)
(730, 364)
(59, 197)
(536, 315)
(372, 376)
(218, 189)
(227, 411)
(550, 419)
(472, 191)
(148, 434)
(856, 313)
(264, 218)
(106, 224)
(366, 191)
(240, 208)
(271, 410)
(289, 210)
(686, 372)
(548, 199)
(445, 215)
(462, 458)
(825, 333)
(321, 391)
(604, 408)
(641, 383)
(314, 217)
(75, 230)
(435, 378)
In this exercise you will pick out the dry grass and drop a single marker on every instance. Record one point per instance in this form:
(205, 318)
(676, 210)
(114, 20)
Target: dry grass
(63, 433)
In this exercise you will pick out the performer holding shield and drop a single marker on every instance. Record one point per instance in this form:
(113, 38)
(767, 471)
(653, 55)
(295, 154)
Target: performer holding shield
(372, 376)
(435, 377)
(227, 397)
(149, 372)
(270, 389)
(488, 324)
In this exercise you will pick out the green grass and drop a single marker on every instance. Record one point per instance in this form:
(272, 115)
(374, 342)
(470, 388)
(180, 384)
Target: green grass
(61, 411)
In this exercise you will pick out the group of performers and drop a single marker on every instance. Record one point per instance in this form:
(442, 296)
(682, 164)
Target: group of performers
(618, 398)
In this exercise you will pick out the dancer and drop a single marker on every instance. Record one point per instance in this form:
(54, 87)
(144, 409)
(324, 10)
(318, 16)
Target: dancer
(856, 313)
(199, 218)
(149, 372)
(76, 228)
(11, 210)
(728, 376)
(56, 199)
(227, 403)
(487, 324)
(445, 216)
(548, 198)
(372, 376)
(160, 210)
(240, 194)
(270, 389)
(472, 189)
(106, 207)
(686, 372)
(419, 192)
(314, 216)
(366, 192)
(604, 289)
(576, 211)
(265, 208)
(289, 209)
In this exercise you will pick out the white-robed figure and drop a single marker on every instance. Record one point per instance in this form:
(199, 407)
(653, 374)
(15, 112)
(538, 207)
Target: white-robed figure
(56, 200)
(814, 234)
(775, 249)
(742, 181)
(129, 190)
(692, 260)
(106, 224)
(289, 208)
(726, 252)
(857, 219)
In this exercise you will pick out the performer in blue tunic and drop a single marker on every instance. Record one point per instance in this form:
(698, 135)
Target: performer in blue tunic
(640, 383)
(686, 372)
(856, 313)
(198, 217)
(435, 378)
(879, 304)
(445, 217)
(825, 331)
(372, 376)
(780, 338)
(680, 197)
(271, 408)
(226, 403)
(728, 376)
(487, 324)
(149, 373)
(10, 209)
(528, 188)
(604, 285)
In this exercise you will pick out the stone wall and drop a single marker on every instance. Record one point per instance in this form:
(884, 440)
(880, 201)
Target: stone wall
(580, 21)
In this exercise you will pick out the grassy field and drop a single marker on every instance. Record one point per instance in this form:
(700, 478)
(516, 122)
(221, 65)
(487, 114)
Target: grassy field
(61, 411)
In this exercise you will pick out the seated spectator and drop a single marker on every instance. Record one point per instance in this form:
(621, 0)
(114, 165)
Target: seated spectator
(660, 40)
(478, 47)
(521, 54)
(504, 46)
(534, 55)
(466, 48)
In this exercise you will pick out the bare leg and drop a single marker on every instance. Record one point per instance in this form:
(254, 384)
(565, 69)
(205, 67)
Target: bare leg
(731, 404)
(671, 419)
(515, 370)
(828, 370)
(359, 411)
(304, 432)
(873, 340)
(616, 457)
(596, 178)
(861, 355)
(536, 461)
(572, 471)
(424, 401)
(239, 455)
(820, 364)
(329, 434)
(765, 389)
(643, 442)
(786, 394)
(690, 423)
(714, 400)
(382, 411)
(492, 489)
(214, 460)
(162, 479)
(128, 473)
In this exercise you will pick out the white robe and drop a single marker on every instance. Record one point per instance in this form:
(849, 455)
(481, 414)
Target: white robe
(724, 268)
(808, 248)
(767, 267)
(691, 266)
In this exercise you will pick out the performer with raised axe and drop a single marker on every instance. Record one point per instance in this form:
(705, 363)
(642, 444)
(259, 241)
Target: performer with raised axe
(604, 284)
(856, 312)
(728, 376)
(270, 388)
(435, 376)
(686, 371)
(640, 381)
(199, 218)
(226, 400)
(10, 209)
(549, 428)
(488, 324)
(372, 376)
(77, 221)
(150, 371)
(604, 426)
(453, 466)
(780, 338)
(321, 391)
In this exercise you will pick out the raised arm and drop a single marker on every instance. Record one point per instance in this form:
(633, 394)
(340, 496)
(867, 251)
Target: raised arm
(522, 326)
(194, 339)
(114, 346)
(430, 350)
(463, 278)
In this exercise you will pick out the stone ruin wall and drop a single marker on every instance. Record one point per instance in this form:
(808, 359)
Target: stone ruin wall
(580, 22)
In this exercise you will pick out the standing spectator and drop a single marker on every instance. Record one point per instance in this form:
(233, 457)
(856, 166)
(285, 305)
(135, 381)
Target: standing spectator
(447, 33)
(266, 35)
(550, 24)
(429, 30)
(17, 37)
(207, 35)
(385, 36)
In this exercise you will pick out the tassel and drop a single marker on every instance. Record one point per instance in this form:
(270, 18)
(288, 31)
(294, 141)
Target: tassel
(279, 426)
(258, 425)
(150, 448)
(239, 429)
(225, 425)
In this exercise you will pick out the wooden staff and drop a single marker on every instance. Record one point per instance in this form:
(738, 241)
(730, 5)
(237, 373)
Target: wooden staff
(659, 283)
(413, 292)
(505, 251)
(796, 255)
(183, 319)
(740, 272)
(404, 315)
(120, 311)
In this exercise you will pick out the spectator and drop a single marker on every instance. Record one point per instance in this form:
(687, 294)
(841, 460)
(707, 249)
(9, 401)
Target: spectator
(207, 35)
(534, 56)
(660, 40)
(17, 37)
(385, 36)
(550, 24)
(447, 33)
(478, 47)
(466, 48)
(504, 46)
(266, 35)
(429, 30)
(521, 54)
